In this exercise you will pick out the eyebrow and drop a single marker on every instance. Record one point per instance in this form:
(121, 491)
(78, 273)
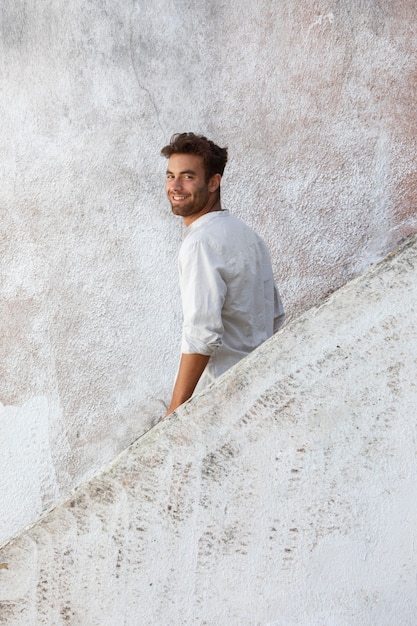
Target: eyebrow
(183, 172)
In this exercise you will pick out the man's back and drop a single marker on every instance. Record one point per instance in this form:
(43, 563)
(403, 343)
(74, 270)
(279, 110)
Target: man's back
(230, 302)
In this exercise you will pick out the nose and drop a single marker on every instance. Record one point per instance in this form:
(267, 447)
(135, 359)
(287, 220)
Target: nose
(174, 184)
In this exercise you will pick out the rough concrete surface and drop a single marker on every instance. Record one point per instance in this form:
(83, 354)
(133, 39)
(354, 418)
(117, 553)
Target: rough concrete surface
(316, 102)
(282, 495)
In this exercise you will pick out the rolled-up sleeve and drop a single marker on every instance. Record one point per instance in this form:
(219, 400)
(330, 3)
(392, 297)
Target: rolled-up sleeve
(203, 291)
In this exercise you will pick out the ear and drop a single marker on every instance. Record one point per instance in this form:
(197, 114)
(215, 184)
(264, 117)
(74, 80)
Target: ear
(214, 182)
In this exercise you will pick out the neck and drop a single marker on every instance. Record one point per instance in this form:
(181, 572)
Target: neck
(212, 205)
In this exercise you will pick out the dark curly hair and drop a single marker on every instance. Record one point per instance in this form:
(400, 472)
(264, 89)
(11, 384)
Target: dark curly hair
(214, 157)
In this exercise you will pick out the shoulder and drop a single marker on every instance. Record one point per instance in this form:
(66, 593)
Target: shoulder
(217, 224)
(207, 229)
(221, 233)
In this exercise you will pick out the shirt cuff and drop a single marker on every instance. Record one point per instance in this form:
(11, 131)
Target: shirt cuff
(194, 345)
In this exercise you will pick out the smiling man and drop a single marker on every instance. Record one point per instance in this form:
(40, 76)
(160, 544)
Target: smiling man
(230, 301)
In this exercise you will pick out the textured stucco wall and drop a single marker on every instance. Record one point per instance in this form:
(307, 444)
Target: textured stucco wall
(283, 495)
(316, 101)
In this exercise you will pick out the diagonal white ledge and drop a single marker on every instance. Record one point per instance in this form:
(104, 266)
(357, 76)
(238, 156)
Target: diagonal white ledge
(283, 494)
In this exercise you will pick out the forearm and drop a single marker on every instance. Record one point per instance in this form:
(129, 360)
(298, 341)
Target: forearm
(191, 368)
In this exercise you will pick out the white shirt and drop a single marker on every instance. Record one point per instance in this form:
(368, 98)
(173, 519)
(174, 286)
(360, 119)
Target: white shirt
(230, 301)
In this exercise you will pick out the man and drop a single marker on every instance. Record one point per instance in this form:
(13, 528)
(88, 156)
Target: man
(230, 301)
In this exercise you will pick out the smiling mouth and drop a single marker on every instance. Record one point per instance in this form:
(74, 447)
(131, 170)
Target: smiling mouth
(178, 198)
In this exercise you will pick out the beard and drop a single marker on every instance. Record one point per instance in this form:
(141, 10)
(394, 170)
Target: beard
(192, 204)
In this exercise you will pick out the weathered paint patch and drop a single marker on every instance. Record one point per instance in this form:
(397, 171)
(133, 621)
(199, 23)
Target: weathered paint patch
(26, 465)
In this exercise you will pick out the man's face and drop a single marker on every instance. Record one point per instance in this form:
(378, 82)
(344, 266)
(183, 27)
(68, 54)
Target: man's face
(186, 186)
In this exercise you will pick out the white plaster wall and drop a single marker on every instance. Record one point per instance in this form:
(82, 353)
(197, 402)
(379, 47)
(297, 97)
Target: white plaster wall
(283, 495)
(316, 101)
